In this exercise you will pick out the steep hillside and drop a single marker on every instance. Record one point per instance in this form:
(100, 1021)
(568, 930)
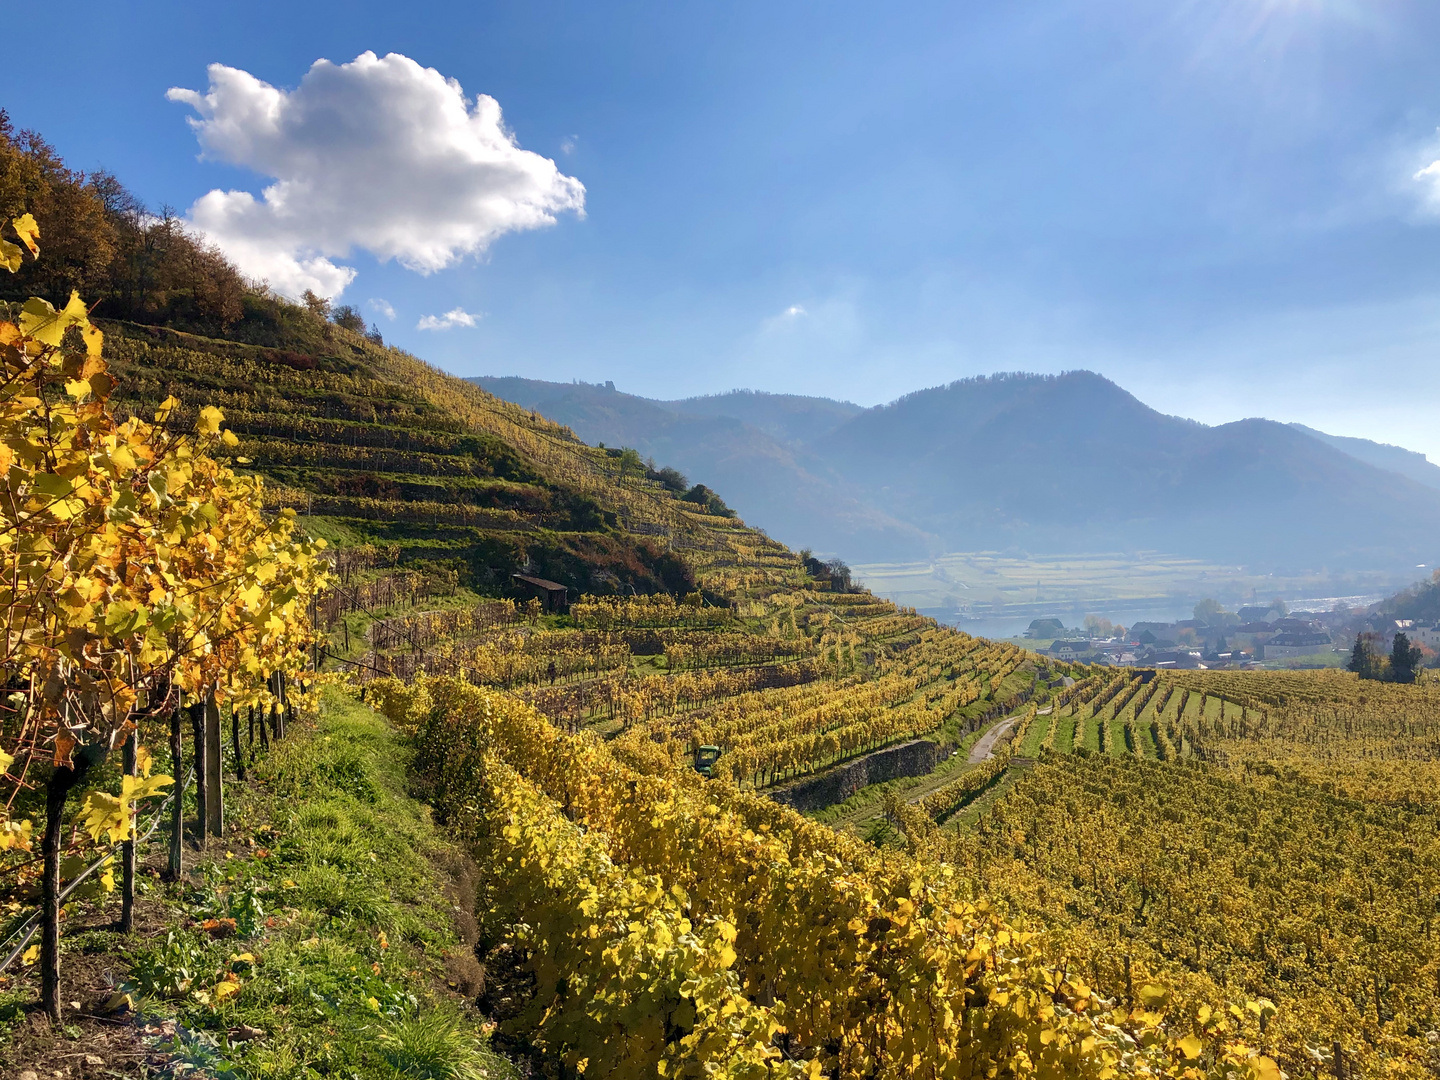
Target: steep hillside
(755, 463)
(376, 447)
(1420, 602)
(1074, 463)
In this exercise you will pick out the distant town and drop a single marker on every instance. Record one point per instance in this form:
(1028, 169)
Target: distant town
(1251, 637)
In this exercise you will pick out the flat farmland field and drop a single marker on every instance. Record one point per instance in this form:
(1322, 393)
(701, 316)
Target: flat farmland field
(988, 583)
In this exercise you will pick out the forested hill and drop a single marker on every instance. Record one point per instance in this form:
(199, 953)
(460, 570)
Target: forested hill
(1068, 463)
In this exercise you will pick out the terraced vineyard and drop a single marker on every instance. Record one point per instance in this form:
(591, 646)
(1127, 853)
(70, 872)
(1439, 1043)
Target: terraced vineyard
(373, 446)
(688, 629)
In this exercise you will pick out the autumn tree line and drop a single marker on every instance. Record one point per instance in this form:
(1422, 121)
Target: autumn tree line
(134, 262)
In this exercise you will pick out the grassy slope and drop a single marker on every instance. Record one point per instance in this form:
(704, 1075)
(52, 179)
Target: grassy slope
(342, 891)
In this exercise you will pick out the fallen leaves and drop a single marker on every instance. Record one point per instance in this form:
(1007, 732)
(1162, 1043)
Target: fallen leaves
(227, 988)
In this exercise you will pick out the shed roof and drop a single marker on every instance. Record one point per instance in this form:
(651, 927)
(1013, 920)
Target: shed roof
(540, 583)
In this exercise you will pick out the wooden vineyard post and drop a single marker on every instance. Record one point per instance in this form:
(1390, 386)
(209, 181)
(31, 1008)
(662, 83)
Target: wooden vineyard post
(214, 755)
(177, 807)
(200, 753)
(57, 790)
(235, 742)
(127, 849)
(283, 714)
(314, 624)
(273, 713)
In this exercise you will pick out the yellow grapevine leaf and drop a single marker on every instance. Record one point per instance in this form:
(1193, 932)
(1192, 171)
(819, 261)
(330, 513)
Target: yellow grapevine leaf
(38, 319)
(103, 812)
(116, 1002)
(227, 988)
(1190, 1046)
(208, 423)
(134, 787)
(168, 406)
(28, 231)
(94, 341)
(30, 955)
(51, 485)
(1153, 996)
(16, 834)
(6, 760)
(144, 760)
(11, 256)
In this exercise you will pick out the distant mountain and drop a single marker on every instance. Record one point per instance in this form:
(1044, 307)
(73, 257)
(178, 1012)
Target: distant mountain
(1074, 463)
(743, 445)
(1053, 464)
(1382, 455)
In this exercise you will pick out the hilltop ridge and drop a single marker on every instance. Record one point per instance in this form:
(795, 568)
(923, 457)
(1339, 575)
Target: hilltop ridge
(1049, 463)
(1074, 462)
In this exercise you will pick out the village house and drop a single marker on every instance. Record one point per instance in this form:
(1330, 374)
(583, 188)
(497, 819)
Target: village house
(1298, 643)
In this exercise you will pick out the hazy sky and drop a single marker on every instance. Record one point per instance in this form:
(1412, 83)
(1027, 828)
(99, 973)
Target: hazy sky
(1220, 204)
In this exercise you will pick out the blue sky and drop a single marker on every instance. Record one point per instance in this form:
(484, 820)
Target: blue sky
(1214, 203)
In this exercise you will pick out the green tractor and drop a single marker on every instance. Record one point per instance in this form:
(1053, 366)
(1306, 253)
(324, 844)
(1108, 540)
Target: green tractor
(705, 758)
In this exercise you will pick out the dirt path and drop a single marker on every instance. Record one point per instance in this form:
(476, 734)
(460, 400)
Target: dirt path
(984, 748)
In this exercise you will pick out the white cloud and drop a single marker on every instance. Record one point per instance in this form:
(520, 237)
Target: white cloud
(449, 321)
(1430, 176)
(381, 307)
(379, 154)
(786, 322)
(568, 144)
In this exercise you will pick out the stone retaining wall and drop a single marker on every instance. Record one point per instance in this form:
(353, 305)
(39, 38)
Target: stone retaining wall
(908, 759)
